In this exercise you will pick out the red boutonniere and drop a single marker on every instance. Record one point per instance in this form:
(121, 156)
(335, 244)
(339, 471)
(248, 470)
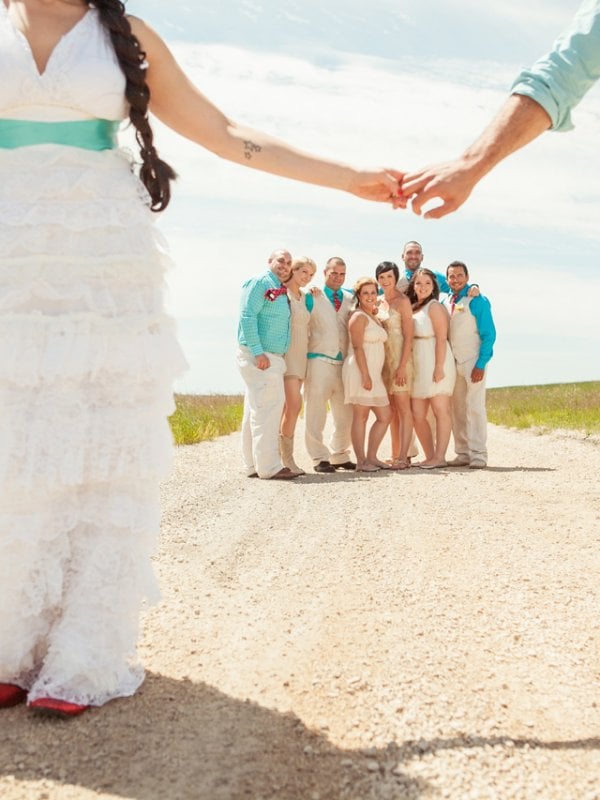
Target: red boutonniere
(273, 294)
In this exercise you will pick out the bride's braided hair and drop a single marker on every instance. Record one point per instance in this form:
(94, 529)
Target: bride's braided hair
(155, 174)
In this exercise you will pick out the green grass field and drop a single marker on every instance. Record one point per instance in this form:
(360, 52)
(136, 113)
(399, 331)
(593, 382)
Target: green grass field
(570, 406)
(198, 418)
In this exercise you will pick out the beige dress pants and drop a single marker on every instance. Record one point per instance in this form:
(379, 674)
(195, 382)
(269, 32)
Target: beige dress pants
(324, 385)
(469, 418)
(263, 406)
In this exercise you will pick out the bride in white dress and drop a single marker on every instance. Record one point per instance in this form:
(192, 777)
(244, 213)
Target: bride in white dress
(87, 354)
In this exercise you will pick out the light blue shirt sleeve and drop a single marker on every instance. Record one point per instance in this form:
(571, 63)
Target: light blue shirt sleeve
(252, 302)
(309, 302)
(264, 325)
(482, 311)
(442, 282)
(559, 80)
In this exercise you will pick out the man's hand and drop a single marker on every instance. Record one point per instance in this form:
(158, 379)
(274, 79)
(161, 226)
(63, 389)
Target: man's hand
(262, 362)
(477, 375)
(519, 121)
(452, 182)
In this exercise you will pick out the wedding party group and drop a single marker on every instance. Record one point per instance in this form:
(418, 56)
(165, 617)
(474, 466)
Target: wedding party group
(90, 354)
(409, 346)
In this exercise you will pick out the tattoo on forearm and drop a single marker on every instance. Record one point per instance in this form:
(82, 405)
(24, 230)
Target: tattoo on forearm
(250, 148)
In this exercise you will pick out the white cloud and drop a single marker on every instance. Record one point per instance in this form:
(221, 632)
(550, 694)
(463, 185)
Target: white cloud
(553, 14)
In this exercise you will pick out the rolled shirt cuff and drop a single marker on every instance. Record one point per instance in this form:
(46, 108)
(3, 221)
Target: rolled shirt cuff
(530, 84)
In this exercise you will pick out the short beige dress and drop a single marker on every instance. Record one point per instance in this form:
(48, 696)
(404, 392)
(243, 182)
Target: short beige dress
(295, 358)
(373, 346)
(392, 323)
(424, 359)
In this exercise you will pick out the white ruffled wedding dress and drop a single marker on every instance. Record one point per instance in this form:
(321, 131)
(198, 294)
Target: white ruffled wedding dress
(87, 360)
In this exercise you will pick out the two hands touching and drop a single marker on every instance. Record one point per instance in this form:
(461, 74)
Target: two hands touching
(451, 182)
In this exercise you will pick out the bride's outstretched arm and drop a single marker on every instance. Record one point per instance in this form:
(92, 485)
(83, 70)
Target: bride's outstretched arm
(180, 105)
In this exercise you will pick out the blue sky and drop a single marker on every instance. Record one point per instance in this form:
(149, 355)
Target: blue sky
(391, 82)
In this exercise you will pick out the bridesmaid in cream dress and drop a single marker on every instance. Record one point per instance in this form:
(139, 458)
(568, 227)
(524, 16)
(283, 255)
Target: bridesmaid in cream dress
(361, 374)
(434, 368)
(303, 271)
(395, 311)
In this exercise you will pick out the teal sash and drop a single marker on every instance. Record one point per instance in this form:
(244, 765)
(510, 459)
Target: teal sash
(89, 134)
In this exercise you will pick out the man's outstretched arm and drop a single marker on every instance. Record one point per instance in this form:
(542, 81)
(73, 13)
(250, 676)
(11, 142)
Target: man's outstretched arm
(542, 98)
(519, 122)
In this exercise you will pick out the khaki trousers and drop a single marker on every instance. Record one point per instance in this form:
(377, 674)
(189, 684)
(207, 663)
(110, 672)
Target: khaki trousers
(324, 385)
(469, 418)
(263, 406)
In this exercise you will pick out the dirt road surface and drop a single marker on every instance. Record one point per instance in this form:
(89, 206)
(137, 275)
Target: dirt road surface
(354, 637)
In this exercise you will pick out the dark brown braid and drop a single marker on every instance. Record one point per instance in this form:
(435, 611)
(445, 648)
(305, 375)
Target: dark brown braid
(155, 174)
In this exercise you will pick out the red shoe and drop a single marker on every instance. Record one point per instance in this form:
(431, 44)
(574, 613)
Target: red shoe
(11, 695)
(57, 708)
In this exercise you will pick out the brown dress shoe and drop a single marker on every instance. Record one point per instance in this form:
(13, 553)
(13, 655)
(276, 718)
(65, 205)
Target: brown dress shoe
(324, 466)
(284, 474)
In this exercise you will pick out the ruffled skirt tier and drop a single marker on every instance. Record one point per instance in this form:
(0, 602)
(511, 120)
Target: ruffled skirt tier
(87, 361)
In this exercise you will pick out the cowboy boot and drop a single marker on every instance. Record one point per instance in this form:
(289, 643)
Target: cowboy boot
(286, 449)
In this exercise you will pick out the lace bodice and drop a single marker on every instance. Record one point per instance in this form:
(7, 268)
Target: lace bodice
(82, 78)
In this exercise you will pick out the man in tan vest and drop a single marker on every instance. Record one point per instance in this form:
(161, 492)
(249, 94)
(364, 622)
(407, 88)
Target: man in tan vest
(327, 348)
(472, 335)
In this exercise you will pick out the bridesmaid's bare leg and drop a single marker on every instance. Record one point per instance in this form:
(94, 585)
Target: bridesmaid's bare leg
(358, 432)
(443, 426)
(420, 406)
(383, 416)
(404, 412)
(292, 407)
(395, 428)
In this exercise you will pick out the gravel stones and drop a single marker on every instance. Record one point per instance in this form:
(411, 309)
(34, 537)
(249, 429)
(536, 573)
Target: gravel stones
(405, 635)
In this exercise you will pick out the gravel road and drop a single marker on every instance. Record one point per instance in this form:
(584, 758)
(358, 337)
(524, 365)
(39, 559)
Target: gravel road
(355, 637)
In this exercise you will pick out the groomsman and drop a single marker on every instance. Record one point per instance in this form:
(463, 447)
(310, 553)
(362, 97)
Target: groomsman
(412, 256)
(327, 348)
(472, 335)
(264, 337)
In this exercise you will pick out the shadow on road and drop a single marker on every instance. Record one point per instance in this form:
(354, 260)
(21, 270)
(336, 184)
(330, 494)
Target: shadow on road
(337, 477)
(520, 469)
(177, 740)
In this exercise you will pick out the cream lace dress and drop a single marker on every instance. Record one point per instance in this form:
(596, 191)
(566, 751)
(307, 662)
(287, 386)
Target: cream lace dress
(87, 359)
(392, 322)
